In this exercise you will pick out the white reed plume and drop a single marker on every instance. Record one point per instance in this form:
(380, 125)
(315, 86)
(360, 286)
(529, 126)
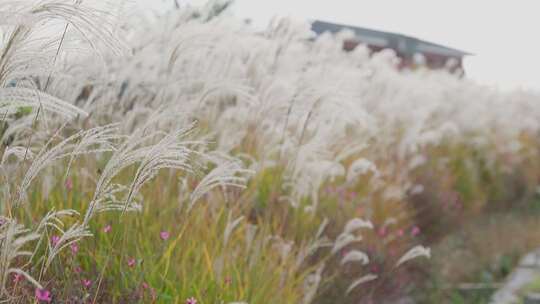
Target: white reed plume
(14, 238)
(229, 174)
(355, 256)
(173, 150)
(355, 224)
(13, 99)
(96, 140)
(72, 235)
(415, 252)
(344, 240)
(362, 280)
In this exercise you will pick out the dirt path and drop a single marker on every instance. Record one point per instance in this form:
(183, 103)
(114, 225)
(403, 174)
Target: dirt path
(527, 272)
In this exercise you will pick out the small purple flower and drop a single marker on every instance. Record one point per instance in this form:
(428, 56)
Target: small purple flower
(191, 300)
(382, 232)
(69, 184)
(77, 269)
(415, 231)
(43, 295)
(131, 262)
(164, 235)
(55, 240)
(86, 283)
(107, 229)
(74, 248)
(17, 277)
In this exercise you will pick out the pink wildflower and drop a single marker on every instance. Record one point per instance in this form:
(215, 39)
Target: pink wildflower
(382, 232)
(191, 300)
(86, 283)
(152, 291)
(107, 229)
(131, 262)
(400, 232)
(74, 248)
(415, 231)
(17, 277)
(55, 239)
(164, 235)
(43, 295)
(77, 269)
(69, 184)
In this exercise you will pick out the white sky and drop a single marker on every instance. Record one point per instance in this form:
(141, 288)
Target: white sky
(504, 35)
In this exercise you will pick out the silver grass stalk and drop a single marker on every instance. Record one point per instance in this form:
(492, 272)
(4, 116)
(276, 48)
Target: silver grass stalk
(231, 226)
(344, 240)
(72, 235)
(413, 253)
(96, 140)
(362, 280)
(171, 151)
(13, 99)
(356, 224)
(355, 256)
(13, 239)
(230, 174)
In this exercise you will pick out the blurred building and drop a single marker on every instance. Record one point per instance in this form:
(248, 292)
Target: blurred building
(412, 51)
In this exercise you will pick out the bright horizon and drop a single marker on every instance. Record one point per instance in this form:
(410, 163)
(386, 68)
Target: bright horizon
(501, 34)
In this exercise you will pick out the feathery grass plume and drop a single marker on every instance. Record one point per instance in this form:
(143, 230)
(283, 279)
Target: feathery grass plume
(356, 224)
(311, 284)
(344, 240)
(18, 152)
(317, 242)
(355, 256)
(14, 238)
(347, 236)
(52, 220)
(362, 280)
(415, 252)
(228, 174)
(13, 99)
(84, 19)
(360, 167)
(231, 225)
(14, 131)
(68, 237)
(95, 140)
(26, 35)
(171, 151)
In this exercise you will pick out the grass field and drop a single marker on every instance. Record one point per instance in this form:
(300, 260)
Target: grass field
(189, 158)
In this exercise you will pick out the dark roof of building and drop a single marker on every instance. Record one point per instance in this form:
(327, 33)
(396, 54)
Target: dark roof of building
(404, 44)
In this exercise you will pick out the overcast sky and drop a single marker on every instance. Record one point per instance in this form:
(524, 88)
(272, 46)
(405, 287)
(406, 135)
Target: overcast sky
(504, 35)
